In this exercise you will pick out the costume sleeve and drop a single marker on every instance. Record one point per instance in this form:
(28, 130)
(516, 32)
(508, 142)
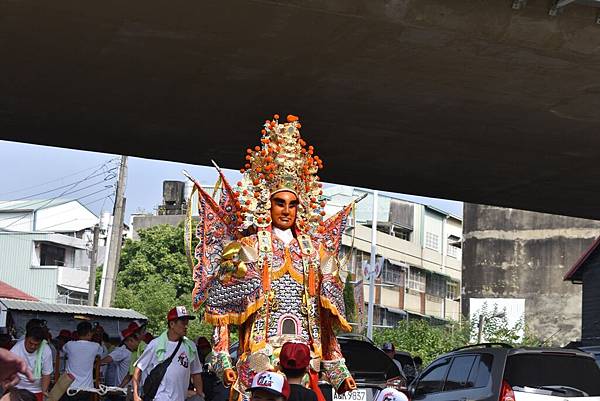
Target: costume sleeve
(220, 359)
(334, 364)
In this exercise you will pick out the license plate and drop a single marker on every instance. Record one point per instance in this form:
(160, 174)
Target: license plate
(354, 395)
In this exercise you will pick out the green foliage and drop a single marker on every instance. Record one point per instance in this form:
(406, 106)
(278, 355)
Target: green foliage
(496, 328)
(154, 277)
(419, 337)
(349, 302)
(422, 338)
(159, 251)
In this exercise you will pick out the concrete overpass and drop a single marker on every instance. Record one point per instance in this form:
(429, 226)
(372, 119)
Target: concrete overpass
(465, 99)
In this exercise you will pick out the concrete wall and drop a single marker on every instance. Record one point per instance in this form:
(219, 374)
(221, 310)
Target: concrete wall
(509, 253)
(144, 221)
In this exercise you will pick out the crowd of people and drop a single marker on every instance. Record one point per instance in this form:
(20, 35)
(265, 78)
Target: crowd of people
(31, 365)
(168, 367)
(91, 364)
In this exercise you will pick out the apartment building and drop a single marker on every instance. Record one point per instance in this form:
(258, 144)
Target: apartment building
(45, 248)
(421, 250)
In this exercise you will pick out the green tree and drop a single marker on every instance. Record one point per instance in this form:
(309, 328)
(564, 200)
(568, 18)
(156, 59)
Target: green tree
(349, 302)
(419, 337)
(154, 277)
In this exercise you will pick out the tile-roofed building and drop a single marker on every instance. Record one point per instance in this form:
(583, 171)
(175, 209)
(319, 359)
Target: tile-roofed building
(10, 292)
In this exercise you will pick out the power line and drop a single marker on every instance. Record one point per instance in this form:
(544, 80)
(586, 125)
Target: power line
(42, 201)
(26, 213)
(63, 222)
(58, 196)
(60, 178)
(63, 212)
(108, 177)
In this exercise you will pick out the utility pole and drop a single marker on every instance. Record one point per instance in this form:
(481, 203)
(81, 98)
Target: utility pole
(93, 264)
(116, 235)
(372, 267)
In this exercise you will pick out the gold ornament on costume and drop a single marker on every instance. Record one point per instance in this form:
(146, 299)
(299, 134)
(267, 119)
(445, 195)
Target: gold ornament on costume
(283, 162)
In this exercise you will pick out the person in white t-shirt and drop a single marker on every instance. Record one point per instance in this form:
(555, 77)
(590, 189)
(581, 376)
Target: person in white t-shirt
(185, 363)
(119, 359)
(81, 355)
(35, 350)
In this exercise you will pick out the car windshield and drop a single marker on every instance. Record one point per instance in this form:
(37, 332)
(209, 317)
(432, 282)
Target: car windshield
(552, 371)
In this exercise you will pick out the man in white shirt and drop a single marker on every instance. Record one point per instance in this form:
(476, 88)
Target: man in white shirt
(81, 355)
(185, 362)
(118, 360)
(35, 350)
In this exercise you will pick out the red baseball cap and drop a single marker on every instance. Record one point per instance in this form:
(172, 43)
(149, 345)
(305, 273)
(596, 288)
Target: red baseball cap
(271, 382)
(179, 312)
(294, 356)
(130, 330)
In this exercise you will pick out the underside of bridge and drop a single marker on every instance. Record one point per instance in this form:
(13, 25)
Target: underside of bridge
(471, 100)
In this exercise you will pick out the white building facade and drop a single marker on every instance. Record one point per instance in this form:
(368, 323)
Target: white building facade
(45, 248)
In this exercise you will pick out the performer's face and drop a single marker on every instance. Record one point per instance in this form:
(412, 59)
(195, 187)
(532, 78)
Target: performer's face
(283, 209)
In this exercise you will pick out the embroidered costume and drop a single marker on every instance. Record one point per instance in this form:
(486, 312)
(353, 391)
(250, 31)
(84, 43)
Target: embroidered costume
(247, 274)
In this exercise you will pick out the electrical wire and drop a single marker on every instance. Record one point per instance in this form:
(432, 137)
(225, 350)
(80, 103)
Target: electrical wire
(107, 162)
(109, 175)
(27, 212)
(56, 214)
(58, 196)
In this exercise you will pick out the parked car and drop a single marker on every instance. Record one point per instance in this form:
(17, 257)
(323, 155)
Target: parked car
(594, 350)
(497, 372)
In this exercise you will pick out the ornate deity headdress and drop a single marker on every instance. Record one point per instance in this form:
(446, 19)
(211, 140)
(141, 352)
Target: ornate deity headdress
(283, 162)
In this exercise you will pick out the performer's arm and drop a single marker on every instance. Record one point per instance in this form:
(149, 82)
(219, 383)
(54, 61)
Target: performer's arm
(223, 366)
(333, 360)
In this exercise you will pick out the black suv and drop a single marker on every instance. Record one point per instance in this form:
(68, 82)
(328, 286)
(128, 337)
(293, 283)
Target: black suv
(497, 372)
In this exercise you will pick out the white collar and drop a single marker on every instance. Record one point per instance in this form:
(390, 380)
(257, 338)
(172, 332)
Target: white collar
(286, 236)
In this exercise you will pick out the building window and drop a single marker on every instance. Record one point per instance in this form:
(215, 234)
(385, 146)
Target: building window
(51, 255)
(401, 233)
(432, 241)
(417, 279)
(453, 251)
(392, 274)
(452, 290)
(436, 285)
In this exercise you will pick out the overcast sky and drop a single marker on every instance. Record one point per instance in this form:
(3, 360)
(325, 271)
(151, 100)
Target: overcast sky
(43, 172)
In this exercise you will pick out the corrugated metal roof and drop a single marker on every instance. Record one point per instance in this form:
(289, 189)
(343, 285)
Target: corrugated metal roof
(13, 304)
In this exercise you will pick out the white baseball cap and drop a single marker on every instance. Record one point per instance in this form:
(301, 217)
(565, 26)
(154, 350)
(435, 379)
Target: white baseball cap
(391, 394)
(272, 382)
